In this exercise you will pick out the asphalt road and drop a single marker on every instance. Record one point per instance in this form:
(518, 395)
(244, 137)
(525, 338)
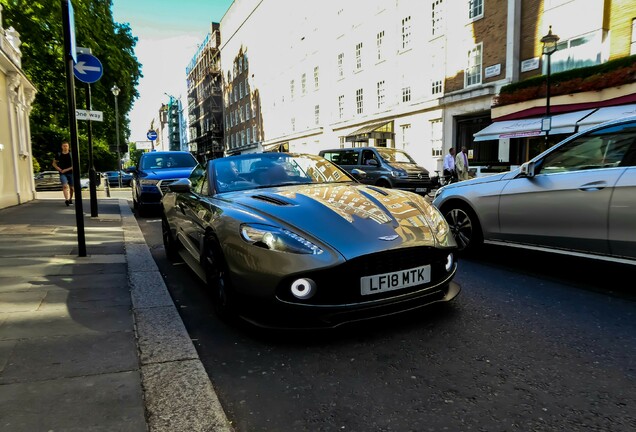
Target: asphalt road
(534, 342)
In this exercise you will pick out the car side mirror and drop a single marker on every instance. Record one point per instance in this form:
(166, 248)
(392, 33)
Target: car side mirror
(131, 170)
(527, 169)
(182, 185)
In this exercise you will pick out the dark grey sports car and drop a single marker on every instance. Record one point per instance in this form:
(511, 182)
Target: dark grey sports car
(291, 240)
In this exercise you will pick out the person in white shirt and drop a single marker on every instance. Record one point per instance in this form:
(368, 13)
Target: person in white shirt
(449, 165)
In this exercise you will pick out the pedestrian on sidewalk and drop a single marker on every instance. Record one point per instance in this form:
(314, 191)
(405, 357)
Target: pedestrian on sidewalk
(449, 166)
(63, 163)
(461, 165)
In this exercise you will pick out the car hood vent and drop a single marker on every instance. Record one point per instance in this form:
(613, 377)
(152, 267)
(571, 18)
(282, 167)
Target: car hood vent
(271, 199)
(378, 190)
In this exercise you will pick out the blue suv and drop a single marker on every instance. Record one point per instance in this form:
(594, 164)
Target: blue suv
(155, 172)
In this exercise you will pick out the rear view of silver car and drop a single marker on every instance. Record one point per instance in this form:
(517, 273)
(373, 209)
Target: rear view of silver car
(579, 196)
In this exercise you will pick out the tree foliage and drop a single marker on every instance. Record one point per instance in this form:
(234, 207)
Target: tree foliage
(39, 23)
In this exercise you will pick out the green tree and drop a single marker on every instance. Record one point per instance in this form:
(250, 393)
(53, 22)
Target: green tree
(40, 26)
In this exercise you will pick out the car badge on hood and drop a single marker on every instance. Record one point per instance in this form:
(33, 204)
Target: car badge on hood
(388, 238)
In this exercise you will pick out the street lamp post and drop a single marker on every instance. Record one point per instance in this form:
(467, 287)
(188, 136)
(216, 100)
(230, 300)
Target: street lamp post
(115, 91)
(549, 47)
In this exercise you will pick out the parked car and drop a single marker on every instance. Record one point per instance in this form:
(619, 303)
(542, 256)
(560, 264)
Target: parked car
(291, 240)
(113, 178)
(155, 172)
(47, 180)
(382, 166)
(579, 195)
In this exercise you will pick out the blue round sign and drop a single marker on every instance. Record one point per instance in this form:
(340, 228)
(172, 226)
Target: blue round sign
(151, 135)
(88, 68)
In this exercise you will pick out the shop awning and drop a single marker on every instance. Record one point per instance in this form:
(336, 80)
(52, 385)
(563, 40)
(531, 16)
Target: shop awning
(561, 124)
(605, 114)
(382, 130)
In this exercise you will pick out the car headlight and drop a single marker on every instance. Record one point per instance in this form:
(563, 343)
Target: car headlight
(147, 182)
(399, 174)
(437, 223)
(278, 239)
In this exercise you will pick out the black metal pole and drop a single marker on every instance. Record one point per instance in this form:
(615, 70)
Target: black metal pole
(92, 175)
(547, 100)
(117, 132)
(70, 93)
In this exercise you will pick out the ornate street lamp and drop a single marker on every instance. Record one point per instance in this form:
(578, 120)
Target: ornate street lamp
(115, 91)
(549, 42)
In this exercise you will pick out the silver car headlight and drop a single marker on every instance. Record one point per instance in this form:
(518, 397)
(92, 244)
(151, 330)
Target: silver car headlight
(146, 182)
(399, 174)
(437, 223)
(278, 239)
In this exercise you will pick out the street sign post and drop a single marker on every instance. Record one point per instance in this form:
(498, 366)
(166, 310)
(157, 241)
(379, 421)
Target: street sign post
(88, 68)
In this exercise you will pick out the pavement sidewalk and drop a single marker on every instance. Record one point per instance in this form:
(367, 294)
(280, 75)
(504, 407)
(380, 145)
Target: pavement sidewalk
(92, 343)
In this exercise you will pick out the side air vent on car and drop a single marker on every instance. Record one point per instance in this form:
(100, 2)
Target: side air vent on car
(271, 199)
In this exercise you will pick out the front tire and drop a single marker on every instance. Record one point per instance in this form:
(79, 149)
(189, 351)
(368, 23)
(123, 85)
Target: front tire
(464, 225)
(218, 281)
(170, 244)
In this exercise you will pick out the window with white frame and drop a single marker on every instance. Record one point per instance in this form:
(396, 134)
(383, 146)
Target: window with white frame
(291, 89)
(240, 90)
(341, 100)
(247, 91)
(359, 56)
(254, 133)
(406, 94)
(379, 39)
(359, 101)
(303, 83)
(381, 96)
(581, 51)
(249, 138)
(242, 114)
(247, 111)
(406, 32)
(406, 135)
(472, 74)
(475, 9)
(317, 115)
(341, 64)
(316, 70)
(231, 118)
(437, 15)
(240, 64)
(233, 140)
(243, 137)
(436, 138)
(436, 86)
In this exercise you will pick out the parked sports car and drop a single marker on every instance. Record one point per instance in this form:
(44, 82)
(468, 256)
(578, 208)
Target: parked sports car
(577, 197)
(292, 240)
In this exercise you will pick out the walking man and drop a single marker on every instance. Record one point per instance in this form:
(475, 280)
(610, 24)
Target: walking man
(449, 165)
(461, 165)
(64, 165)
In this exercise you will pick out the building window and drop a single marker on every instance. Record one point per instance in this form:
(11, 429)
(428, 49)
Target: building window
(379, 38)
(577, 52)
(475, 9)
(291, 89)
(436, 138)
(317, 115)
(231, 118)
(247, 111)
(293, 124)
(249, 138)
(359, 56)
(359, 101)
(380, 87)
(437, 14)
(303, 83)
(406, 94)
(247, 91)
(242, 138)
(242, 114)
(406, 135)
(436, 87)
(240, 64)
(240, 90)
(254, 133)
(473, 70)
(316, 78)
(406, 32)
(233, 141)
(341, 65)
(341, 99)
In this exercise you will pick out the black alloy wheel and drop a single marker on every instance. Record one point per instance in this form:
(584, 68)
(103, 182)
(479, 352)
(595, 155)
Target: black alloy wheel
(218, 281)
(464, 226)
(170, 244)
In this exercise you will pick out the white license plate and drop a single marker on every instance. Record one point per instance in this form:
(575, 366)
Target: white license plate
(394, 281)
(420, 189)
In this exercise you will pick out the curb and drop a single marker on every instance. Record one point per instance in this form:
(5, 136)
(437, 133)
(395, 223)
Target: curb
(177, 391)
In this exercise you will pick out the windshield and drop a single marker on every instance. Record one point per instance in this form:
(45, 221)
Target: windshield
(263, 170)
(393, 155)
(165, 160)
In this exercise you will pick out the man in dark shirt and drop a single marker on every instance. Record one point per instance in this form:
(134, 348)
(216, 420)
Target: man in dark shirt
(64, 165)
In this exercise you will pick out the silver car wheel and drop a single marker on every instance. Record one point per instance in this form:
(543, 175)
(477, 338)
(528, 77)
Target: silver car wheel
(461, 226)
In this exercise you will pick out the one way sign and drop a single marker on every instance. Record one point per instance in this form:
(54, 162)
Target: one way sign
(88, 68)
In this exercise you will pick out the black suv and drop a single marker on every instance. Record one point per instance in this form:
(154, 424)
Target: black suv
(383, 166)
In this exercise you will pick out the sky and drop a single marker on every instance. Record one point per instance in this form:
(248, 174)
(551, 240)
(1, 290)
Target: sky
(168, 34)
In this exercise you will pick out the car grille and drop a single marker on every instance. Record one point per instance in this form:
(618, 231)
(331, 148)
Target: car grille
(416, 177)
(163, 185)
(343, 281)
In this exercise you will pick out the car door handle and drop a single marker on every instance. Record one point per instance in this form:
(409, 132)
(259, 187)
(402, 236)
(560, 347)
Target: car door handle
(593, 186)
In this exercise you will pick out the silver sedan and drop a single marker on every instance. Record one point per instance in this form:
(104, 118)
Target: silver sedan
(577, 197)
